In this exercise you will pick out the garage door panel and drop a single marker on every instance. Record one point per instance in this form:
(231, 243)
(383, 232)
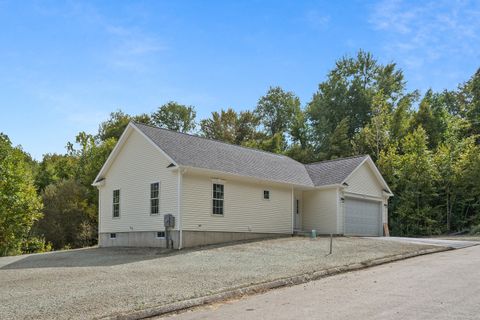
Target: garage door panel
(362, 217)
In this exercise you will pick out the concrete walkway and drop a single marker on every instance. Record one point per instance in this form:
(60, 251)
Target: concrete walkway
(455, 244)
(438, 286)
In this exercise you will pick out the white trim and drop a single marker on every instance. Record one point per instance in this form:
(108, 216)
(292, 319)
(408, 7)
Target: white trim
(293, 211)
(126, 133)
(362, 196)
(339, 204)
(121, 141)
(119, 203)
(375, 171)
(150, 198)
(329, 186)
(157, 237)
(179, 203)
(222, 183)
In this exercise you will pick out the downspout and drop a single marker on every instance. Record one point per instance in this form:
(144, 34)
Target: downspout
(99, 215)
(179, 208)
(293, 211)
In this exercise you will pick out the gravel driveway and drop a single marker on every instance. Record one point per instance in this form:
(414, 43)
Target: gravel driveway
(95, 282)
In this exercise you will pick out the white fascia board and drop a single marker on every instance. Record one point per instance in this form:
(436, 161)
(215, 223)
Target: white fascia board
(121, 141)
(375, 170)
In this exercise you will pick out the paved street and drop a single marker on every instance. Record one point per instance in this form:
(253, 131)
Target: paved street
(438, 286)
(456, 244)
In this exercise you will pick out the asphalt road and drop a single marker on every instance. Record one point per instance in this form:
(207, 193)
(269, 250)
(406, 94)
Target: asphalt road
(438, 286)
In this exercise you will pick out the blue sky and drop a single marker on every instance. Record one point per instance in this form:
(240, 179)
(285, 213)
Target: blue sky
(66, 65)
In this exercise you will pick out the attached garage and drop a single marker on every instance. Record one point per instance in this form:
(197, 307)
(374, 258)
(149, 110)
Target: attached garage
(363, 217)
(350, 198)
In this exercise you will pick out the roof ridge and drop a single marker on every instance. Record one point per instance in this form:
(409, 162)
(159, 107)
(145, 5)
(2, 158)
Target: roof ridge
(338, 159)
(215, 140)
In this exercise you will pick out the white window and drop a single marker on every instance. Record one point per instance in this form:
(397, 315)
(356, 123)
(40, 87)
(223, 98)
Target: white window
(266, 194)
(113, 236)
(154, 198)
(217, 199)
(116, 203)
(160, 234)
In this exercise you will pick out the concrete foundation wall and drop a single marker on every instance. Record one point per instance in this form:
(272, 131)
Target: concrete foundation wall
(190, 238)
(136, 239)
(201, 238)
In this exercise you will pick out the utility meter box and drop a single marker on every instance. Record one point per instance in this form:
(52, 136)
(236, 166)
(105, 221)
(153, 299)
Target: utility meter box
(169, 221)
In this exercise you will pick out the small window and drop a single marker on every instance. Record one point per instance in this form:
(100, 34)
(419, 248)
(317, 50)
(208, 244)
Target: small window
(297, 206)
(217, 199)
(154, 198)
(161, 234)
(113, 236)
(116, 203)
(266, 194)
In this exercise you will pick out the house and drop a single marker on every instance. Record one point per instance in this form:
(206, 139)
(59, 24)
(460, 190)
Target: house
(218, 192)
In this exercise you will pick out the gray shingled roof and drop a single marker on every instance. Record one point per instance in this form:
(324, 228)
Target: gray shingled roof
(198, 152)
(330, 172)
(193, 151)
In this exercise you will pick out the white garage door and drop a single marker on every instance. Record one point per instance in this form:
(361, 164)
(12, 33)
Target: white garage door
(363, 217)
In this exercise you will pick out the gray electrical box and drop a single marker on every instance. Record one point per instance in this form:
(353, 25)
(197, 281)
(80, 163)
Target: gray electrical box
(169, 221)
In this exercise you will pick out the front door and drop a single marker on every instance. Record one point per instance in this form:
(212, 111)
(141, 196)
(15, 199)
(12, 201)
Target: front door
(298, 215)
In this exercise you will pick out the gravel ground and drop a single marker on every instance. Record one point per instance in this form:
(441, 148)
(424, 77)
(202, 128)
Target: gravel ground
(95, 282)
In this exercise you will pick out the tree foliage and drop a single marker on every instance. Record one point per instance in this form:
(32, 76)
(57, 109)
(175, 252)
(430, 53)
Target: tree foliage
(19, 203)
(175, 116)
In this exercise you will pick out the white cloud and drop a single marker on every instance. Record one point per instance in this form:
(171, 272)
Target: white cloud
(316, 19)
(424, 33)
(128, 46)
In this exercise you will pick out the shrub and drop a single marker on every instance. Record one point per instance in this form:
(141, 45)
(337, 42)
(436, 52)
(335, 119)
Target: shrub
(36, 245)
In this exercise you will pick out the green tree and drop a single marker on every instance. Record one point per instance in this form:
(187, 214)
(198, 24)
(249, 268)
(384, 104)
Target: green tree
(432, 116)
(67, 216)
(467, 185)
(375, 136)
(116, 124)
(415, 213)
(339, 142)
(54, 168)
(277, 110)
(348, 93)
(469, 101)
(230, 127)
(175, 116)
(275, 144)
(19, 204)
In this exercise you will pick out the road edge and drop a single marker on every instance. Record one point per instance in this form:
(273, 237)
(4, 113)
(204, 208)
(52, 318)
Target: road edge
(265, 286)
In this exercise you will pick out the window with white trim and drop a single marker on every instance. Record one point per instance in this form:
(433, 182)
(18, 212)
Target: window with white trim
(116, 203)
(160, 234)
(217, 199)
(113, 236)
(154, 198)
(266, 194)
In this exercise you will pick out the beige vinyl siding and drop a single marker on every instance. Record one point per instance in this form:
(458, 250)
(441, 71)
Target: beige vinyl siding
(320, 210)
(245, 210)
(363, 181)
(137, 165)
